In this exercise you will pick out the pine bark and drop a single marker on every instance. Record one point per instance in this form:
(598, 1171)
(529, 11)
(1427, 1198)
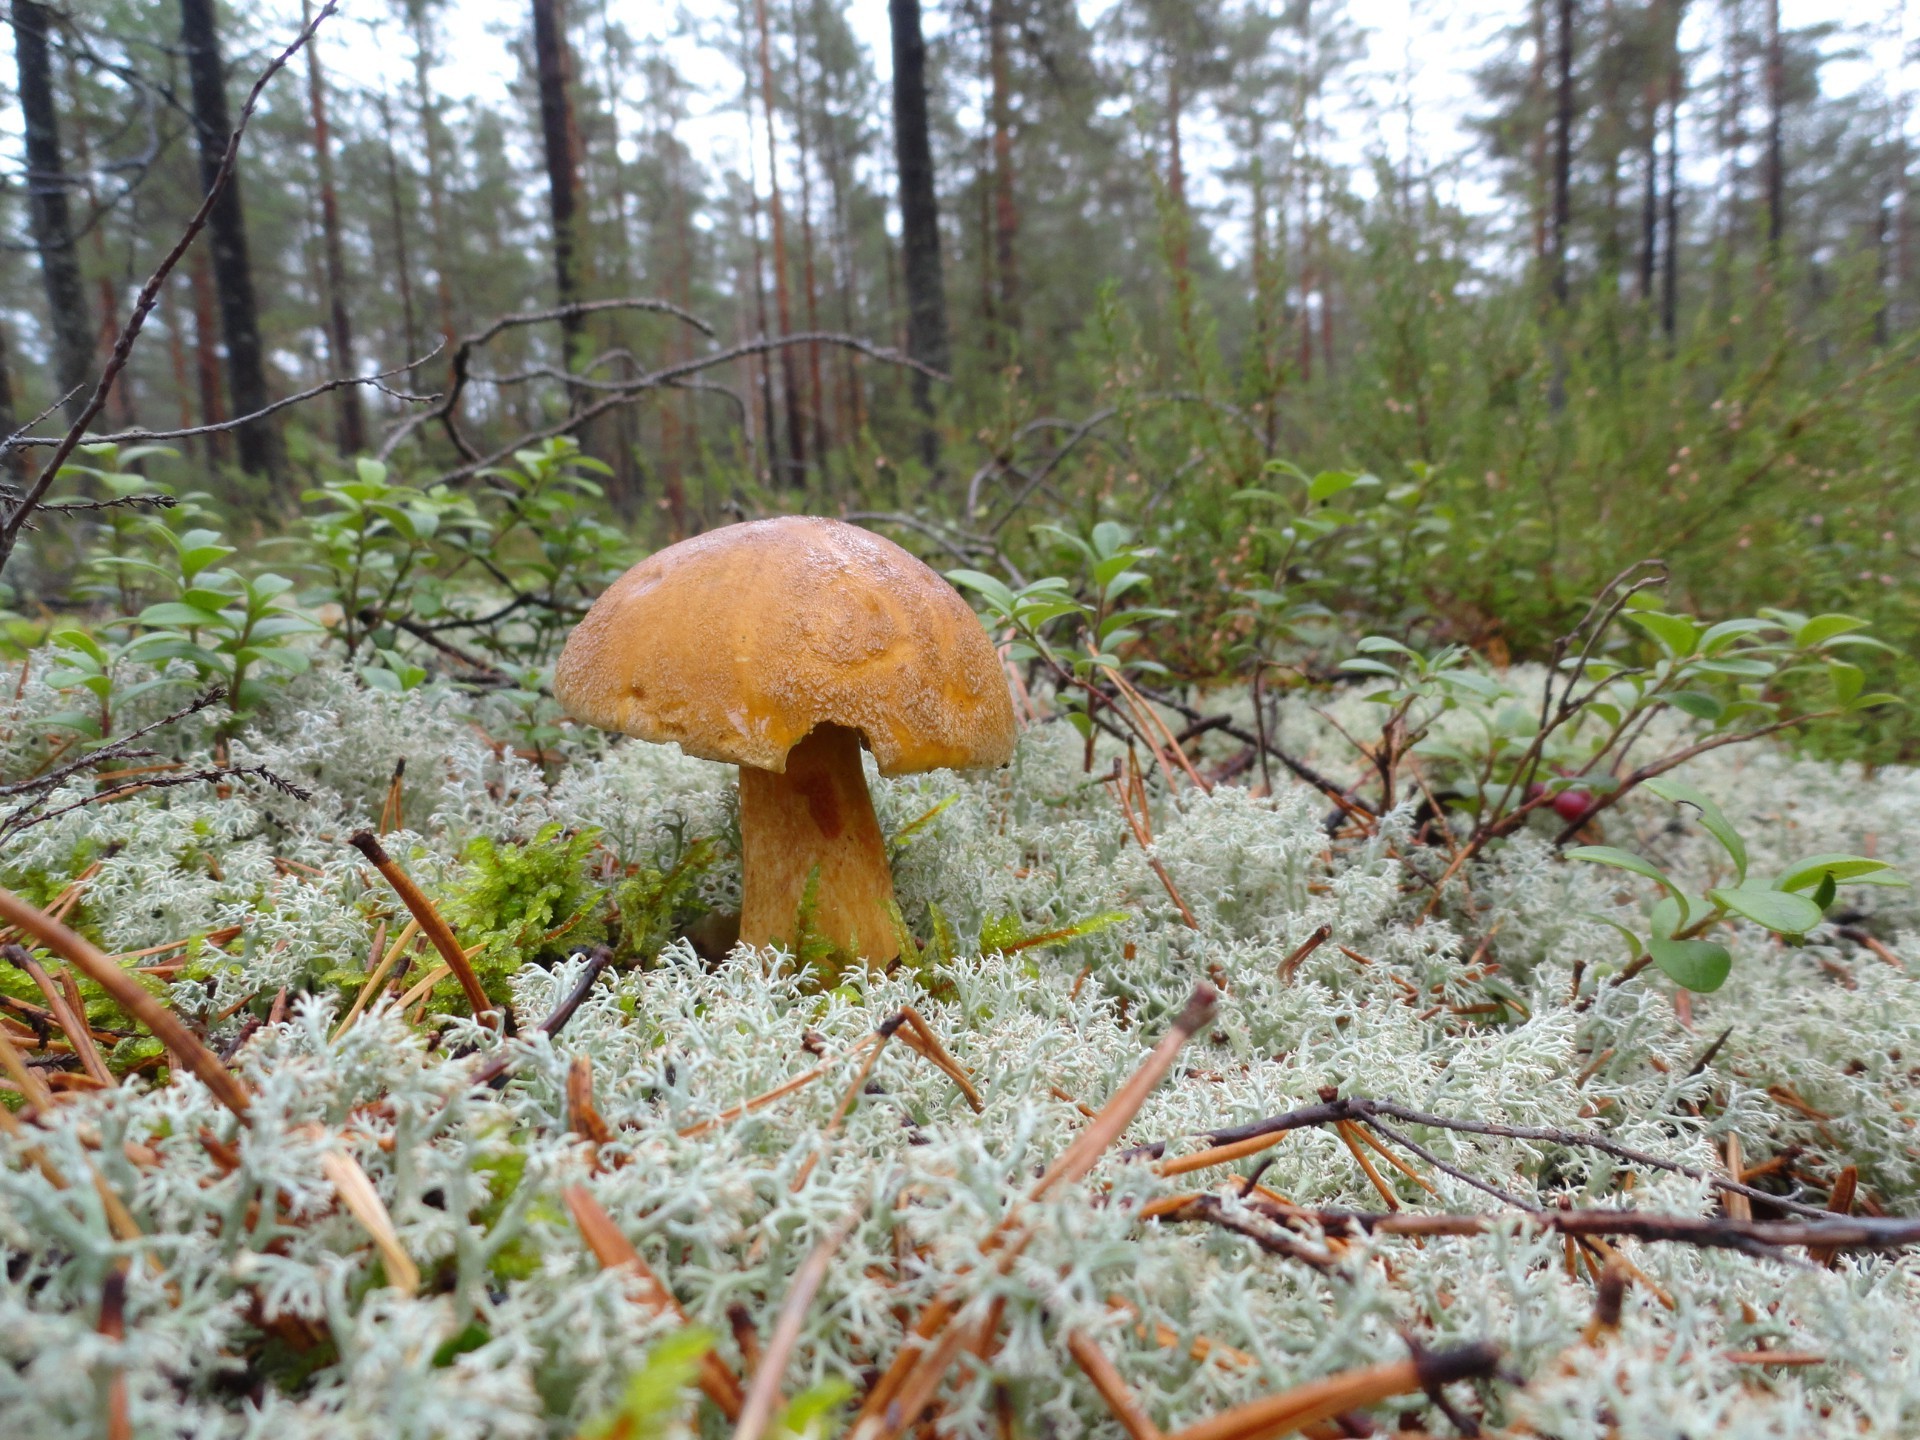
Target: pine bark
(560, 147)
(782, 291)
(1670, 260)
(350, 414)
(1006, 216)
(397, 218)
(1562, 149)
(1776, 105)
(47, 184)
(919, 211)
(258, 440)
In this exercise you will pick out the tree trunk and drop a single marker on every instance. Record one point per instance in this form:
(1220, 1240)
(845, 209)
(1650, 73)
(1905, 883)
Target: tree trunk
(1650, 194)
(782, 293)
(763, 361)
(436, 179)
(52, 224)
(14, 474)
(206, 347)
(259, 440)
(561, 147)
(809, 275)
(351, 416)
(1562, 149)
(1670, 261)
(1006, 218)
(402, 264)
(1776, 164)
(1177, 182)
(919, 211)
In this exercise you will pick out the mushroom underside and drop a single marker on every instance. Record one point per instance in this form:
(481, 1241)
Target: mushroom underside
(817, 816)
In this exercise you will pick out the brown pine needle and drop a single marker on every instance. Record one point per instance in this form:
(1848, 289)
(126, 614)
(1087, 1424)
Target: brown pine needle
(583, 1116)
(847, 1097)
(767, 1097)
(363, 1202)
(436, 928)
(1317, 1400)
(1312, 943)
(1111, 1387)
(1219, 1154)
(24, 1075)
(764, 1394)
(70, 1016)
(928, 1044)
(1840, 1201)
(906, 1387)
(1346, 1129)
(1737, 1206)
(130, 995)
(615, 1252)
(113, 1326)
(1394, 1160)
(379, 975)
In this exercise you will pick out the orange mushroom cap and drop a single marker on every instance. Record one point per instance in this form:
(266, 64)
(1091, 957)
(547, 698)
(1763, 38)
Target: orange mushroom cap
(736, 643)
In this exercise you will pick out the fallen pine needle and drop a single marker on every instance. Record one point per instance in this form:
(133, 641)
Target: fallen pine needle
(363, 1202)
(1111, 1387)
(131, 996)
(436, 928)
(615, 1252)
(764, 1394)
(1281, 1414)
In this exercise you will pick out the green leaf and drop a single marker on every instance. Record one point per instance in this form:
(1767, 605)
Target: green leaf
(1711, 816)
(175, 612)
(1634, 947)
(1627, 860)
(1822, 628)
(1843, 869)
(1676, 634)
(1699, 965)
(1825, 892)
(1848, 681)
(1780, 911)
(1329, 483)
(1697, 703)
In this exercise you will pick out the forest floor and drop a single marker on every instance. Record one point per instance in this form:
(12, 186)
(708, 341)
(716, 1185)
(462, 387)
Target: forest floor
(400, 1225)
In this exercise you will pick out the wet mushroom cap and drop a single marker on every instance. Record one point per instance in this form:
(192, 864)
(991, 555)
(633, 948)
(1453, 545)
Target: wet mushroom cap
(736, 643)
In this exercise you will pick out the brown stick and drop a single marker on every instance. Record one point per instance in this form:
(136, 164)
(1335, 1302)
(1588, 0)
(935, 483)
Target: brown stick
(615, 1252)
(435, 928)
(1113, 1389)
(130, 995)
(1351, 1389)
(24, 1075)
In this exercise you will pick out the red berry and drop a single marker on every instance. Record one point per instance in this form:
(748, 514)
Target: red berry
(1572, 805)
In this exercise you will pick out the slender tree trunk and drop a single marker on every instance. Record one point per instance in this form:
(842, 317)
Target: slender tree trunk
(1537, 142)
(1562, 149)
(1177, 182)
(1006, 217)
(842, 249)
(1650, 194)
(14, 474)
(764, 361)
(259, 440)
(397, 218)
(121, 406)
(351, 415)
(1776, 163)
(809, 275)
(52, 222)
(782, 293)
(436, 178)
(1670, 261)
(560, 147)
(919, 212)
(206, 348)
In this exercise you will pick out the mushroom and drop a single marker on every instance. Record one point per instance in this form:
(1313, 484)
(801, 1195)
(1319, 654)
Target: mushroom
(782, 646)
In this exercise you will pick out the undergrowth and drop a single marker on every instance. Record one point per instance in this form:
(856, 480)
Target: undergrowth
(256, 1302)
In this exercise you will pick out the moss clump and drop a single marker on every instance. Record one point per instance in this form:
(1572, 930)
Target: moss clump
(527, 902)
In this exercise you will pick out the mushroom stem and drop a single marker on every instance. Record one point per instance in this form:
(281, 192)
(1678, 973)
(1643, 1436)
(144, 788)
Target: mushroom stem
(816, 815)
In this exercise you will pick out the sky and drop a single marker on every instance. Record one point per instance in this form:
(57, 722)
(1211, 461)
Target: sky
(1431, 46)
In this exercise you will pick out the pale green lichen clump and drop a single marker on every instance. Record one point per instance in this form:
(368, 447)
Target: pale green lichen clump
(257, 1305)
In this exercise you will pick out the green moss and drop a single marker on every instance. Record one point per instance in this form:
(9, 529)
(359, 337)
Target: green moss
(526, 902)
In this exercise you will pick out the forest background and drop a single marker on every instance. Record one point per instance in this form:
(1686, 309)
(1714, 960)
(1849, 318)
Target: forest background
(1643, 284)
